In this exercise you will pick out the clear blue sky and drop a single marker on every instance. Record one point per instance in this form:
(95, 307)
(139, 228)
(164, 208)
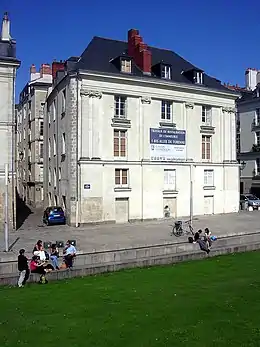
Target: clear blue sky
(221, 36)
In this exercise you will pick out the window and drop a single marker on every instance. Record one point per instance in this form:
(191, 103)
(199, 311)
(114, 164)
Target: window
(59, 173)
(119, 143)
(126, 66)
(41, 150)
(166, 72)
(257, 138)
(54, 110)
(54, 144)
(63, 101)
(257, 116)
(206, 147)
(206, 115)
(257, 166)
(166, 111)
(170, 179)
(41, 128)
(198, 77)
(55, 177)
(121, 177)
(64, 202)
(209, 178)
(49, 154)
(41, 174)
(49, 175)
(63, 149)
(238, 143)
(120, 106)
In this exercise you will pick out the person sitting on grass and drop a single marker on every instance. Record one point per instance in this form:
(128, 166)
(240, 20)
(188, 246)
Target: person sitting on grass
(23, 268)
(54, 255)
(70, 254)
(202, 243)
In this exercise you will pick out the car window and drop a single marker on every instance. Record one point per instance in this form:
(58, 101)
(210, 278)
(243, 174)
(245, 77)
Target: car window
(251, 197)
(57, 209)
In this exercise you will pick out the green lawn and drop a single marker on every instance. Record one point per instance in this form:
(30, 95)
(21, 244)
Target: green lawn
(215, 302)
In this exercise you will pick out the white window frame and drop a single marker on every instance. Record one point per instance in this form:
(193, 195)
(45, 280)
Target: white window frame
(64, 96)
(166, 106)
(55, 177)
(206, 115)
(198, 77)
(54, 145)
(205, 145)
(120, 110)
(166, 72)
(126, 65)
(120, 184)
(63, 139)
(170, 179)
(208, 178)
(41, 173)
(54, 110)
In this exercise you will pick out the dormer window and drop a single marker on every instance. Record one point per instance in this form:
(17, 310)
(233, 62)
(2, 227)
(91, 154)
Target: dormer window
(126, 65)
(198, 77)
(166, 72)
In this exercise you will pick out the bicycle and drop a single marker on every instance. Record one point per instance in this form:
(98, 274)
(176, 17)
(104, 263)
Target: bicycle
(178, 229)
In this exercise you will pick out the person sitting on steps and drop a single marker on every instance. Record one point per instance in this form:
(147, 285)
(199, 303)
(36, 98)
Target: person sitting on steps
(36, 266)
(202, 243)
(54, 255)
(70, 254)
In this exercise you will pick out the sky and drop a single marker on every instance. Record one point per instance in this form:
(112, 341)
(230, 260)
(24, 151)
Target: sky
(221, 37)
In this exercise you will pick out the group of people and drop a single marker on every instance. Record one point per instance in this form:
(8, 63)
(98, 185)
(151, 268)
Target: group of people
(39, 263)
(204, 240)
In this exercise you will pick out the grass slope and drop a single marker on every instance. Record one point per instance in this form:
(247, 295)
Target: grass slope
(215, 302)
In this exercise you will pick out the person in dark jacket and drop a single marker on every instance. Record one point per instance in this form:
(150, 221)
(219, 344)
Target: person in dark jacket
(202, 243)
(23, 268)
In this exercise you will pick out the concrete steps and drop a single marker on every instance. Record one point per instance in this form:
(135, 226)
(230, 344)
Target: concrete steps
(114, 260)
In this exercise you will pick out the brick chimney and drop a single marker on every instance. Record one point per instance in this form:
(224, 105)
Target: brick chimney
(57, 66)
(45, 69)
(139, 51)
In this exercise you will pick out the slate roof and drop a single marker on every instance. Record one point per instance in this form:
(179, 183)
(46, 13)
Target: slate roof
(100, 51)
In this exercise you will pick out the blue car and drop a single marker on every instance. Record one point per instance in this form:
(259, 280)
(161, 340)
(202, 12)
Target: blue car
(54, 215)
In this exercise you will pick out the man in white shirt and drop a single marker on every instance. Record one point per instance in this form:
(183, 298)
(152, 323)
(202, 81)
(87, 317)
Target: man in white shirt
(70, 254)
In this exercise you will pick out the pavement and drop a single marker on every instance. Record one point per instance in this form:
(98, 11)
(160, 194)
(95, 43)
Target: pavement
(103, 237)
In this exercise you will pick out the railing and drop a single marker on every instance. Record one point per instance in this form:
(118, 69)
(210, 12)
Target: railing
(255, 125)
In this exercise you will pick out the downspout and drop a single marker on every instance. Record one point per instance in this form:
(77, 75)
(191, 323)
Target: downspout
(77, 159)
(191, 193)
(13, 165)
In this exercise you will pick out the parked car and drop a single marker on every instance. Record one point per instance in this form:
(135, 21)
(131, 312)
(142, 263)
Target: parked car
(54, 215)
(249, 201)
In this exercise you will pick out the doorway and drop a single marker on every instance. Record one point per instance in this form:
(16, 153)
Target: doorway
(122, 210)
(208, 205)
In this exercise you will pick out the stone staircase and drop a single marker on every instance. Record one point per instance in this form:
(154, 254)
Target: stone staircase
(113, 260)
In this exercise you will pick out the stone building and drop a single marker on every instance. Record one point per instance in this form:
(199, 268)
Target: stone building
(29, 117)
(134, 132)
(8, 66)
(248, 133)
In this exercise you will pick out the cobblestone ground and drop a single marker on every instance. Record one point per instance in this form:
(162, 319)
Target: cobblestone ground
(112, 236)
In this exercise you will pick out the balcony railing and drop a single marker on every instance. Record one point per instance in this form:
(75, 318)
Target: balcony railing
(256, 148)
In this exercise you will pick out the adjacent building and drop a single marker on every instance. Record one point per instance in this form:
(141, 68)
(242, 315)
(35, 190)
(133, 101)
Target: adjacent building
(134, 132)
(29, 118)
(8, 67)
(248, 133)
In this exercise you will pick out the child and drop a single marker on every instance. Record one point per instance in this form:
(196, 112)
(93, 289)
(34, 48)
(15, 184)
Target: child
(23, 268)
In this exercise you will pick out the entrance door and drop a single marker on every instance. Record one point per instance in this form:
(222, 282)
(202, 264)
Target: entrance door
(208, 205)
(169, 207)
(122, 210)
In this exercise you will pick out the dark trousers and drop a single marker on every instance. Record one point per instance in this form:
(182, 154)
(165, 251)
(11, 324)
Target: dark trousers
(69, 260)
(39, 270)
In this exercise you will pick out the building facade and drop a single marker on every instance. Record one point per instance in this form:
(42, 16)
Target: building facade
(134, 133)
(8, 67)
(248, 134)
(29, 117)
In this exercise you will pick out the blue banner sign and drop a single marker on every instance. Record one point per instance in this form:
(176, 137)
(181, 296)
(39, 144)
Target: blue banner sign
(167, 136)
